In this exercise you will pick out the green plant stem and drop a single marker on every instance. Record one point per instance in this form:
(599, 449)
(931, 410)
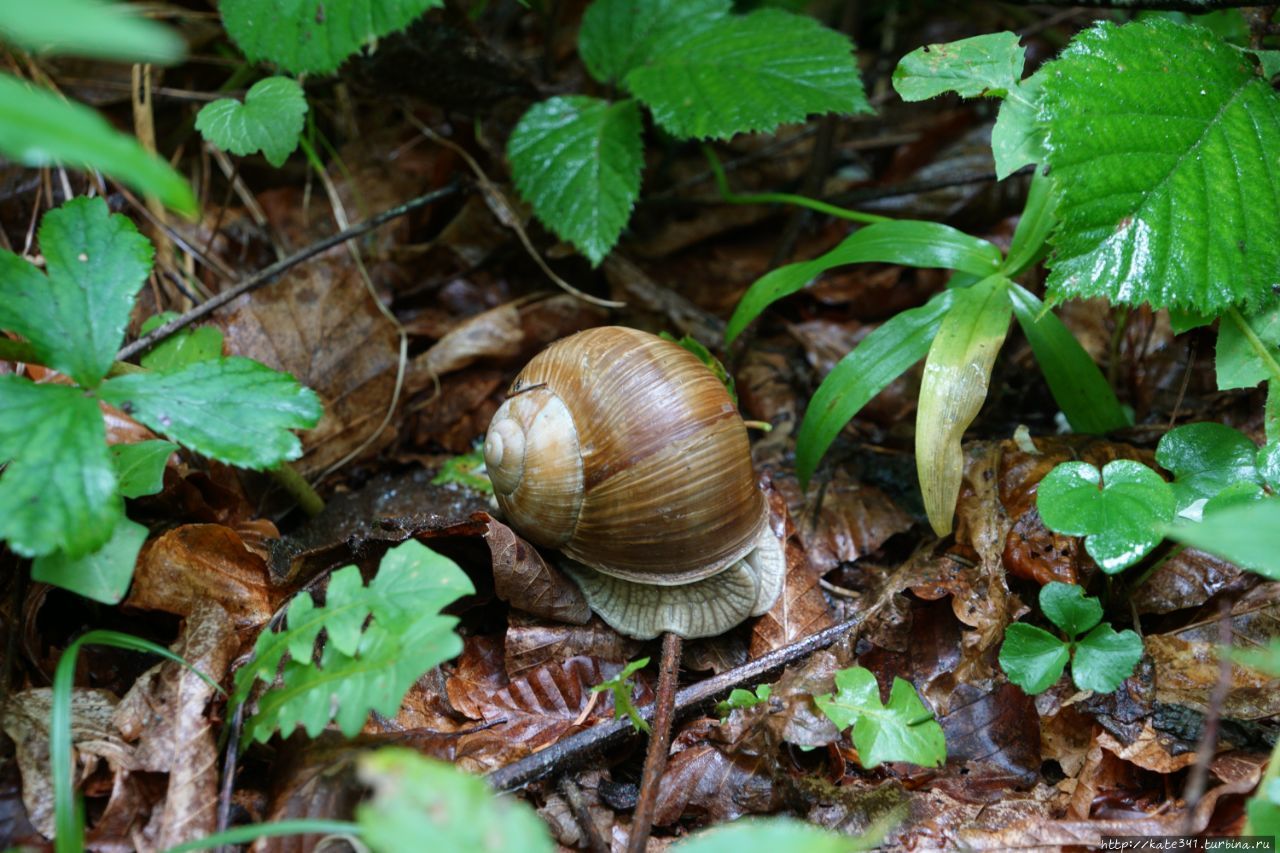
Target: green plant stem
(1255, 343)
(252, 832)
(722, 184)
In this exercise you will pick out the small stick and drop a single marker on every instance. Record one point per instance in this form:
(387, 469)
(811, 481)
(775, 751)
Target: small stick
(582, 814)
(655, 760)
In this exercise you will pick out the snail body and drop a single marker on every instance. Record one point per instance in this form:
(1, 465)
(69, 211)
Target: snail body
(625, 453)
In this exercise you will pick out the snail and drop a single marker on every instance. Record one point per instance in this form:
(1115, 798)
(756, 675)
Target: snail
(626, 453)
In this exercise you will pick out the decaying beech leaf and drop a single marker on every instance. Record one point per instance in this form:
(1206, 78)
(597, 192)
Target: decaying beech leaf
(703, 780)
(532, 642)
(522, 578)
(801, 609)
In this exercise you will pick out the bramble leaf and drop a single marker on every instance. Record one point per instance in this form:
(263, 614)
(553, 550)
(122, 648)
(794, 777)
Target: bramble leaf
(140, 466)
(748, 73)
(1018, 137)
(1120, 511)
(988, 65)
(903, 730)
(75, 315)
(1166, 200)
(301, 35)
(577, 160)
(1205, 458)
(619, 35)
(38, 128)
(231, 409)
(1104, 658)
(1245, 343)
(1067, 607)
(270, 120)
(58, 492)
(1032, 657)
(102, 575)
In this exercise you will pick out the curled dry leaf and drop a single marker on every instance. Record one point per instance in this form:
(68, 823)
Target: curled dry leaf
(522, 578)
(532, 642)
(495, 334)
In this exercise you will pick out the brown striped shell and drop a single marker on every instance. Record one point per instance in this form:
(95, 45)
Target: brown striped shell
(625, 452)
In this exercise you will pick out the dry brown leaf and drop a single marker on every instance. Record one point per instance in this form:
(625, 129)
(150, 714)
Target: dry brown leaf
(532, 642)
(522, 578)
(496, 334)
(703, 780)
(801, 609)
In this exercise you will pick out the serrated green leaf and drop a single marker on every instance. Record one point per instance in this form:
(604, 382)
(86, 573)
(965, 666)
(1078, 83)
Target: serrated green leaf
(58, 492)
(956, 373)
(270, 120)
(101, 575)
(104, 30)
(186, 346)
(1166, 200)
(75, 316)
(908, 242)
(577, 160)
(1067, 607)
(1238, 361)
(983, 65)
(876, 361)
(1205, 458)
(1247, 535)
(903, 730)
(1120, 511)
(1075, 381)
(1018, 137)
(1032, 657)
(306, 36)
(748, 73)
(773, 835)
(37, 128)
(418, 801)
(140, 466)
(619, 35)
(234, 410)
(1104, 658)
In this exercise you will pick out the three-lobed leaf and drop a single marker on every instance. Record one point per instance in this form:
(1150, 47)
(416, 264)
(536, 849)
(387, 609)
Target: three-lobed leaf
(1032, 657)
(902, 730)
(1104, 658)
(270, 120)
(232, 409)
(1164, 199)
(303, 36)
(577, 160)
(75, 314)
(1120, 511)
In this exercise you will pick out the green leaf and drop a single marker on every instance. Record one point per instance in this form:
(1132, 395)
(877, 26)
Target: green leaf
(1067, 607)
(741, 699)
(38, 128)
(1120, 511)
(234, 410)
(1233, 495)
(1205, 458)
(1018, 137)
(1247, 535)
(1245, 345)
(104, 30)
(270, 120)
(102, 575)
(418, 802)
(577, 160)
(1034, 225)
(903, 730)
(748, 73)
(1105, 658)
(621, 688)
(988, 65)
(956, 373)
(773, 835)
(1269, 464)
(58, 492)
(365, 665)
(184, 347)
(75, 317)
(306, 36)
(695, 346)
(1032, 657)
(908, 242)
(1075, 381)
(1165, 199)
(619, 35)
(1265, 659)
(140, 466)
(467, 470)
(876, 361)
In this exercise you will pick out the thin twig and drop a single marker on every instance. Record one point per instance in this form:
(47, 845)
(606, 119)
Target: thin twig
(265, 276)
(1199, 774)
(577, 748)
(655, 760)
(582, 813)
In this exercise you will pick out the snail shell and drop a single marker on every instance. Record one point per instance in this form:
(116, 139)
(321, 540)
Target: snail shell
(623, 451)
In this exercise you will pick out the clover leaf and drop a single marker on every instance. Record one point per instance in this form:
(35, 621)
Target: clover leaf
(1120, 511)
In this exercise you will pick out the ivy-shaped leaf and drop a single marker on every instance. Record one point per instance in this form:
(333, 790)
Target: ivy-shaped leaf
(1165, 199)
(577, 160)
(902, 730)
(1120, 511)
(270, 120)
